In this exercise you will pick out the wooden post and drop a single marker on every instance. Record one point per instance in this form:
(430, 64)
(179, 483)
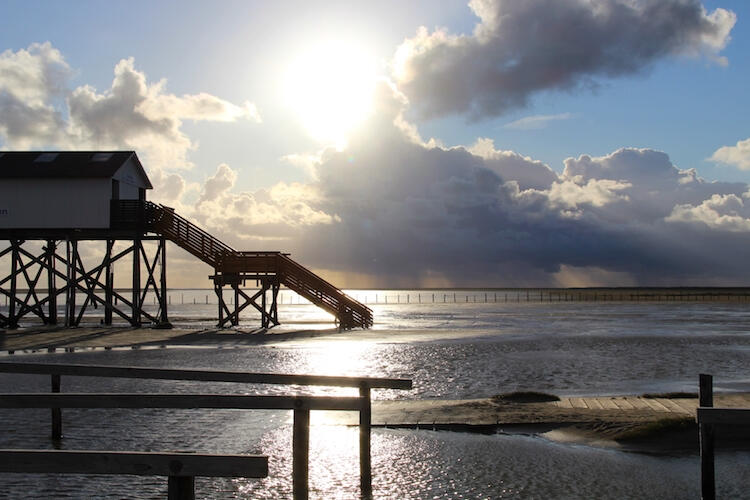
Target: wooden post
(70, 315)
(12, 320)
(300, 454)
(56, 412)
(236, 289)
(706, 436)
(164, 319)
(109, 284)
(136, 292)
(219, 289)
(181, 488)
(365, 428)
(264, 316)
(51, 282)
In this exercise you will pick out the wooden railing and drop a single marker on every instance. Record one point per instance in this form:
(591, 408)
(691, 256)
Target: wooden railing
(147, 216)
(301, 405)
(180, 468)
(350, 312)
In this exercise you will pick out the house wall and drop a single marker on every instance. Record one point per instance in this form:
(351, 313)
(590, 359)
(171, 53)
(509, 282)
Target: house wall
(56, 203)
(130, 180)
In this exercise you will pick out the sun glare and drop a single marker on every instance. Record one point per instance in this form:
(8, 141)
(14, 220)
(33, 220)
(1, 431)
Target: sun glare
(329, 87)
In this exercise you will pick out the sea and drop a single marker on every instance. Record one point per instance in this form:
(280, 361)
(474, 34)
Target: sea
(453, 344)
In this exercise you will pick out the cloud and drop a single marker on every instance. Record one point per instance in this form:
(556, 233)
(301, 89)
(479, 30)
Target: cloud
(32, 75)
(31, 80)
(520, 48)
(139, 115)
(38, 109)
(527, 172)
(737, 155)
(536, 121)
(395, 208)
(723, 212)
(259, 218)
(405, 210)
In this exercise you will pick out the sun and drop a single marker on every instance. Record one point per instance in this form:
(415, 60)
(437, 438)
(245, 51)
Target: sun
(329, 87)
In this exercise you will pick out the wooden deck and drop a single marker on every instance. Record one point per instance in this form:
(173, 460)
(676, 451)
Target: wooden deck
(467, 413)
(684, 406)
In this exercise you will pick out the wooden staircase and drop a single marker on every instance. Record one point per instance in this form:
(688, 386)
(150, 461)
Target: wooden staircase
(227, 261)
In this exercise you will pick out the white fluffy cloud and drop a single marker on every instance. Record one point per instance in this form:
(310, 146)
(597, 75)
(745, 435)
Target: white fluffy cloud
(723, 212)
(31, 80)
(522, 47)
(243, 218)
(39, 110)
(737, 155)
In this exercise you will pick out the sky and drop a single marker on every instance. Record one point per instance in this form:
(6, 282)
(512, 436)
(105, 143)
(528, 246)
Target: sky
(421, 143)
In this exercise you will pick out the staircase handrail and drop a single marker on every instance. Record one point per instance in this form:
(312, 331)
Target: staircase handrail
(191, 237)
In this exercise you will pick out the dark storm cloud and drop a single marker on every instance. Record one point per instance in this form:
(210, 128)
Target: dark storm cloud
(522, 47)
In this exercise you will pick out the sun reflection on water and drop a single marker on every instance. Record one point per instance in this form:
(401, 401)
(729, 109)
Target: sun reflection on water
(341, 358)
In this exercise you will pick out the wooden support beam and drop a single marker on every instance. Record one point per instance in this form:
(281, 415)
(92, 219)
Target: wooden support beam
(723, 416)
(132, 463)
(201, 375)
(136, 284)
(163, 317)
(183, 401)
(51, 281)
(12, 318)
(70, 299)
(109, 284)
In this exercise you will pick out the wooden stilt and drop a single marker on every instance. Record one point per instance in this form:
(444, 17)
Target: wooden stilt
(136, 295)
(51, 282)
(300, 454)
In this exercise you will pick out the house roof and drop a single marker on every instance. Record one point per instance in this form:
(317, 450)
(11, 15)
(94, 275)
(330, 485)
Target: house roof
(65, 164)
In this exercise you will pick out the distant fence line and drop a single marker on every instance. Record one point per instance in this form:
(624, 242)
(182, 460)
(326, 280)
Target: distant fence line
(538, 295)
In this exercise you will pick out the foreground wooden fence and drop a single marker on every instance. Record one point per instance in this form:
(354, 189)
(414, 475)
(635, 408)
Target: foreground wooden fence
(180, 468)
(708, 417)
(301, 405)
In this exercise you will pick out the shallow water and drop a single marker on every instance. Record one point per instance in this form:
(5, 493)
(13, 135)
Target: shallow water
(461, 350)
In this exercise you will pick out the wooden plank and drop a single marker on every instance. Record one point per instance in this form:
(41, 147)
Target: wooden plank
(132, 463)
(564, 403)
(729, 416)
(689, 405)
(655, 405)
(608, 403)
(673, 407)
(202, 375)
(578, 403)
(593, 403)
(638, 403)
(733, 400)
(228, 401)
(623, 403)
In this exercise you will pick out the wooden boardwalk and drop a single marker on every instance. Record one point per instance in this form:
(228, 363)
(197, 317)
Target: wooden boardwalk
(569, 410)
(685, 406)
